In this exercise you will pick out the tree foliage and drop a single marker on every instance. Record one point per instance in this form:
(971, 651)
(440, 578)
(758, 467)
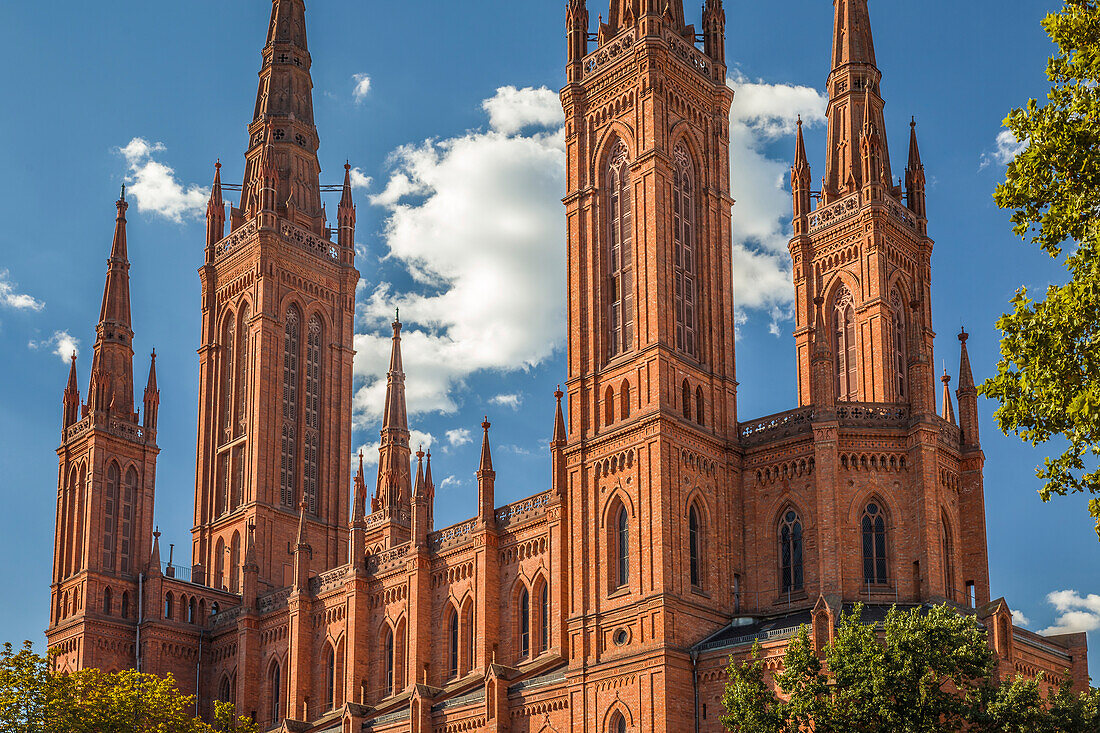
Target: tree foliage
(35, 698)
(1048, 379)
(924, 671)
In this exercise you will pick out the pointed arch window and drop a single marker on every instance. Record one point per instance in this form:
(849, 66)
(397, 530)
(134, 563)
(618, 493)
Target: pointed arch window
(874, 544)
(330, 677)
(618, 724)
(126, 515)
(312, 414)
(700, 411)
(544, 617)
(219, 564)
(168, 606)
(620, 252)
(292, 334)
(275, 683)
(684, 265)
(524, 624)
(622, 547)
(790, 552)
(454, 643)
(391, 661)
(110, 517)
(609, 405)
(624, 400)
(229, 372)
(106, 601)
(844, 326)
(469, 638)
(900, 337)
(685, 399)
(235, 563)
(695, 547)
(242, 369)
(948, 559)
(125, 605)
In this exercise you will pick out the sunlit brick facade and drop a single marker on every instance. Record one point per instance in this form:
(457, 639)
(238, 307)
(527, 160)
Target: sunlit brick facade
(669, 534)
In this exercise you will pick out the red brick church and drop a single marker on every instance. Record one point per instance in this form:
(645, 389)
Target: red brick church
(669, 534)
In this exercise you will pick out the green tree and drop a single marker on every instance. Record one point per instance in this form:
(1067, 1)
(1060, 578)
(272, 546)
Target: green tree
(35, 698)
(1048, 378)
(924, 671)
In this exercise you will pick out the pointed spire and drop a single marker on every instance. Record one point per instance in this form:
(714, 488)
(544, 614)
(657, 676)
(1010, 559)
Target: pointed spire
(154, 556)
(966, 377)
(800, 180)
(284, 120)
(394, 416)
(560, 435)
(393, 452)
(801, 161)
(429, 483)
(152, 395)
(486, 455)
(854, 103)
(302, 506)
(70, 401)
(418, 487)
(360, 505)
(914, 175)
(967, 394)
(112, 359)
(250, 548)
(215, 212)
(345, 214)
(948, 411)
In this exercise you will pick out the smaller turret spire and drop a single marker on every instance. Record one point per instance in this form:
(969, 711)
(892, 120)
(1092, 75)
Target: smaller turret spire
(418, 487)
(215, 213)
(70, 401)
(302, 544)
(360, 505)
(152, 395)
(429, 483)
(486, 479)
(714, 30)
(914, 175)
(154, 556)
(967, 395)
(948, 412)
(112, 358)
(560, 435)
(486, 454)
(800, 180)
(345, 214)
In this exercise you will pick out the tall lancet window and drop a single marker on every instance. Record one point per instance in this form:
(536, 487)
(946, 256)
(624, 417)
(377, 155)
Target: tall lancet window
(790, 552)
(292, 336)
(313, 414)
(948, 560)
(683, 251)
(110, 517)
(897, 305)
(844, 324)
(874, 544)
(620, 252)
(242, 369)
(126, 515)
(229, 345)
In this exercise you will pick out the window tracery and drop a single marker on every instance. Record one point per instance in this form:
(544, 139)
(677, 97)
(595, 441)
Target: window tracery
(620, 252)
(790, 552)
(874, 544)
(288, 447)
(684, 254)
(845, 337)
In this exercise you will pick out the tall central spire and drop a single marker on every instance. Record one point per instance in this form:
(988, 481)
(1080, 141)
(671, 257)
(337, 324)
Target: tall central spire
(282, 129)
(855, 104)
(113, 360)
(394, 488)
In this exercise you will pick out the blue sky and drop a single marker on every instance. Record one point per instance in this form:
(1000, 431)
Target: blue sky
(448, 112)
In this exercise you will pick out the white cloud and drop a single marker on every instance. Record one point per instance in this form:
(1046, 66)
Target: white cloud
(417, 439)
(61, 343)
(1007, 148)
(360, 180)
(459, 436)
(511, 110)
(450, 481)
(362, 87)
(482, 239)
(10, 298)
(507, 400)
(154, 187)
(1075, 612)
(763, 114)
(1020, 619)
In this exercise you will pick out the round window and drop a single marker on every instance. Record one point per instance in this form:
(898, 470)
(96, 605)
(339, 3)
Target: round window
(621, 637)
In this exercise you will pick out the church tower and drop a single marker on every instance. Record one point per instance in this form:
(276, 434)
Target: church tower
(650, 458)
(862, 256)
(106, 477)
(275, 373)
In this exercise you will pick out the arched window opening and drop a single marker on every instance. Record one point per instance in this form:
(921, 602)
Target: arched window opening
(622, 547)
(694, 547)
(700, 407)
(292, 335)
(544, 617)
(684, 255)
(469, 638)
(330, 677)
(168, 610)
(126, 514)
(224, 691)
(620, 252)
(948, 560)
(624, 400)
(235, 563)
(106, 601)
(391, 662)
(110, 517)
(524, 624)
(191, 608)
(874, 544)
(685, 399)
(275, 683)
(242, 369)
(608, 406)
(454, 643)
(219, 564)
(214, 608)
(229, 373)
(312, 415)
(844, 325)
(618, 724)
(900, 336)
(125, 605)
(790, 552)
